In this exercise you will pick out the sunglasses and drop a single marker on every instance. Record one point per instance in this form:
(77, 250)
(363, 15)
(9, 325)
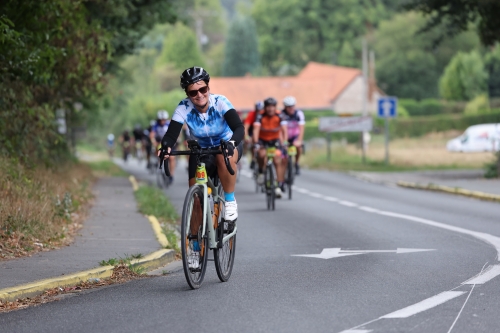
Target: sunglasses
(194, 93)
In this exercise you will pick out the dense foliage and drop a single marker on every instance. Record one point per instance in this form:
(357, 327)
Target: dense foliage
(457, 15)
(54, 55)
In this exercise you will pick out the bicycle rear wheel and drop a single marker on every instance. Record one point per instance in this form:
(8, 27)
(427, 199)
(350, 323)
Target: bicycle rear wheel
(193, 204)
(224, 256)
(290, 176)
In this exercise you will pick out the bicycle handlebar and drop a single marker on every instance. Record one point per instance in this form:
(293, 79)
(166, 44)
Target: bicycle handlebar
(197, 151)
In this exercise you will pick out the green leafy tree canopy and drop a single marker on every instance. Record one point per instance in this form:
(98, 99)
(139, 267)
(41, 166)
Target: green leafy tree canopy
(241, 53)
(464, 78)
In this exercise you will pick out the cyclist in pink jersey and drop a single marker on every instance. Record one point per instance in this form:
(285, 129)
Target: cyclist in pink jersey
(295, 120)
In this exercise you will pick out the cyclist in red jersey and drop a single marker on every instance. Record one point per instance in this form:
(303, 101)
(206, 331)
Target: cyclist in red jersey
(248, 123)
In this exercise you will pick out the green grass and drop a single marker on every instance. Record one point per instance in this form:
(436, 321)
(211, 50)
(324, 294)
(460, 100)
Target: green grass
(107, 168)
(341, 160)
(126, 260)
(152, 201)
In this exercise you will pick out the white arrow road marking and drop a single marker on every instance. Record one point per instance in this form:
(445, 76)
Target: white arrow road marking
(338, 252)
(424, 305)
(327, 254)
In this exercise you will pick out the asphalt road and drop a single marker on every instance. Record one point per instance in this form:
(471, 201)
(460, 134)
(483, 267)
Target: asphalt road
(345, 290)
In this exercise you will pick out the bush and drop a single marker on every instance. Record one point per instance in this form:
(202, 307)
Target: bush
(492, 169)
(479, 104)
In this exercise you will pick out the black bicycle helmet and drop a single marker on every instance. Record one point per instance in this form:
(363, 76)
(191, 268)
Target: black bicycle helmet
(193, 75)
(270, 101)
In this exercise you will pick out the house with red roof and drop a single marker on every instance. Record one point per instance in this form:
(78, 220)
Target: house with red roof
(316, 87)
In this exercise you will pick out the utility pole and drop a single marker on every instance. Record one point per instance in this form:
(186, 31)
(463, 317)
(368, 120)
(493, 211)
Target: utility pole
(365, 93)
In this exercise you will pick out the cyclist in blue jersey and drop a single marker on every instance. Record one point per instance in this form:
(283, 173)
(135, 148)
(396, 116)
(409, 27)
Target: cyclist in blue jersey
(295, 121)
(157, 132)
(209, 118)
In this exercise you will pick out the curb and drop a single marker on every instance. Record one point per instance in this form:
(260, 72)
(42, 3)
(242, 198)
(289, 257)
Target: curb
(160, 236)
(150, 262)
(451, 190)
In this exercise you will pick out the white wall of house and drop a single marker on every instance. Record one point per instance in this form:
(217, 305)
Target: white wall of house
(350, 100)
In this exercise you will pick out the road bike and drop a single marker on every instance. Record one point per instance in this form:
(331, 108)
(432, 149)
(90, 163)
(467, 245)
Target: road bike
(256, 171)
(270, 182)
(205, 201)
(290, 169)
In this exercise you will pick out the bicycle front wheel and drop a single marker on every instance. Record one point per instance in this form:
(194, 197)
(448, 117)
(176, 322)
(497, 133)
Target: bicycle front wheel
(192, 212)
(270, 187)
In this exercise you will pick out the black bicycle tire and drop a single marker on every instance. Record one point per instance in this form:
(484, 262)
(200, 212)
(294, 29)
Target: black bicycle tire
(224, 276)
(272, 187)
(291, 173)
(185, 210)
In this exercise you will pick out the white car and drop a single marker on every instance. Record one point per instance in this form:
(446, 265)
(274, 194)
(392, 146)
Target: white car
(477, 138)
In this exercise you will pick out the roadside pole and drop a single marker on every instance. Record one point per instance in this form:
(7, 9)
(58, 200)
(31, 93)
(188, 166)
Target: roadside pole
(329, 147)
(387, 140)
(365, 93)
(387, 108)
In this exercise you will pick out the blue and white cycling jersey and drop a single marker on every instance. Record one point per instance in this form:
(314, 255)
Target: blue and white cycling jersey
(210, 127)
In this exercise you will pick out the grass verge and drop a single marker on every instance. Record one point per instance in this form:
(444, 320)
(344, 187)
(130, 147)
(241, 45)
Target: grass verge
(41, 208)
(406, 154)
(152, 201)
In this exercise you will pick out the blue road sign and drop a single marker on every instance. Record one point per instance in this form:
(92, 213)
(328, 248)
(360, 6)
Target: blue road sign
(387, 107)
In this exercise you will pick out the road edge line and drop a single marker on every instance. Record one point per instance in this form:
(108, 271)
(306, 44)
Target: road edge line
(451, 190)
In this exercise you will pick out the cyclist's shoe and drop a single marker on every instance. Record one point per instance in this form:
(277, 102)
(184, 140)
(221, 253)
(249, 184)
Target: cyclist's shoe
(194, 260)
(282, 187)
(278, 192)
(231, 213)
(170, 180)
(297, 169)
(260, 179)
(252, 165)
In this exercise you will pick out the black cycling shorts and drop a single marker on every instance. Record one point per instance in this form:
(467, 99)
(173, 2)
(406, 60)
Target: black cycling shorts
(209, 161)
(270, 143)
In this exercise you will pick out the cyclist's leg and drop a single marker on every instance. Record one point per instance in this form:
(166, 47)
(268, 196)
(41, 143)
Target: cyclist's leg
(280, 167)
(228, 182)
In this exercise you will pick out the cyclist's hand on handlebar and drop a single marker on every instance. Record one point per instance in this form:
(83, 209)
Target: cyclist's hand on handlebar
(256, 146)
(165, 152)
(230, 148)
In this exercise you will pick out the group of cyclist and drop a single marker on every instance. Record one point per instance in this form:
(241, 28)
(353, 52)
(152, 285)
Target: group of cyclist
(266, 126)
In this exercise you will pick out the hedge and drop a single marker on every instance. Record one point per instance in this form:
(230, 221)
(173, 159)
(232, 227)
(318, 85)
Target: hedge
(414, 127)
(409, 127)
(430, 107)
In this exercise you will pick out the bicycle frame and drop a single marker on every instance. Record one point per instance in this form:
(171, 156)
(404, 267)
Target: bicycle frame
(207, 215)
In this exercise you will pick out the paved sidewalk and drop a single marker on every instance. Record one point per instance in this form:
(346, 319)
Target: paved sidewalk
(113, 229)
(466, 179)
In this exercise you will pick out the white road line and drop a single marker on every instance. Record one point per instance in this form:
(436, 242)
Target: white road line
(424, 305)
(332, 199)
(357, 331)
(485, 276)
(316, 195)
(348, 203)
(368, 209)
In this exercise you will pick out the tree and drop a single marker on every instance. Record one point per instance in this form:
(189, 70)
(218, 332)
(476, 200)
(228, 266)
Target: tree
(294, 32)
(180, 49)
(457, 15)
(492, 65)
(241, 54)
(408, 64)
(464, 78)
(347, 56)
